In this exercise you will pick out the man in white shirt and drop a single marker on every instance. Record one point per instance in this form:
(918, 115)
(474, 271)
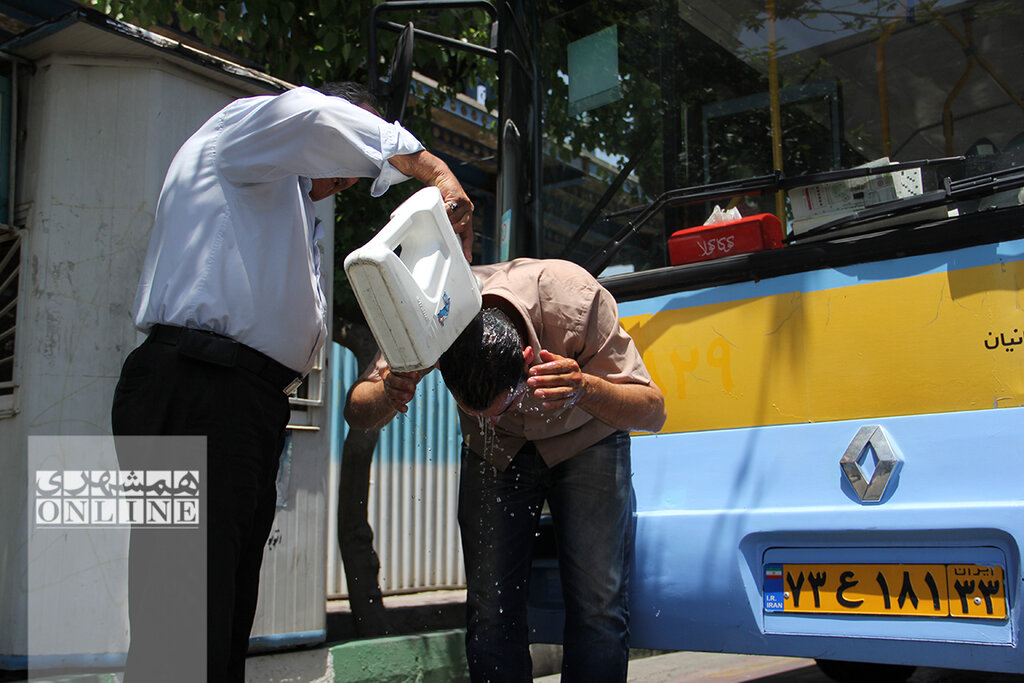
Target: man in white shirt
(232, 297)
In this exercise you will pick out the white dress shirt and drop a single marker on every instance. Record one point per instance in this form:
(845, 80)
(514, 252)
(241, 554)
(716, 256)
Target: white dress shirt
(234, 243)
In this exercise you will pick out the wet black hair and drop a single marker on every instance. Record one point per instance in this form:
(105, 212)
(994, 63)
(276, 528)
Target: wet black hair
(485, 360)
(354, 92)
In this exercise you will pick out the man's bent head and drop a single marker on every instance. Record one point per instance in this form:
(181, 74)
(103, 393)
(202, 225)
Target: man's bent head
(485, 366)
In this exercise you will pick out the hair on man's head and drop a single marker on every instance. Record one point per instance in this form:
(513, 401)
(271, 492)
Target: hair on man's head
(354, 92)
(485, 360)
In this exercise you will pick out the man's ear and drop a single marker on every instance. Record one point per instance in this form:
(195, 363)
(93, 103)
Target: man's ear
(528, 355)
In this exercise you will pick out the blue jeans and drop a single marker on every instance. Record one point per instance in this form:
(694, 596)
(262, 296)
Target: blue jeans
(591, 503)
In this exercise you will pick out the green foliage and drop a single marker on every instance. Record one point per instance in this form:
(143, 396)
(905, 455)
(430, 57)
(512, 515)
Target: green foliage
(294, 41)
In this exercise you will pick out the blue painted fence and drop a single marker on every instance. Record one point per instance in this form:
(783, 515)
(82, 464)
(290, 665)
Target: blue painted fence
(414, 484)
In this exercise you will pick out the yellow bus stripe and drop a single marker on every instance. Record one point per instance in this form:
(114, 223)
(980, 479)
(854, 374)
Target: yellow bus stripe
(929, 343)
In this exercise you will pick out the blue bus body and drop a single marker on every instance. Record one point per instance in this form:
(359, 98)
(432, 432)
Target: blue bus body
(715, 508)
(746, 477)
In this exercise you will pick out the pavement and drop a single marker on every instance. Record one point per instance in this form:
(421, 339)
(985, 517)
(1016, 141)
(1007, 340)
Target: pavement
(703, 667)
(436, 657)
(406, 614)
(426, 645)
(439, 658)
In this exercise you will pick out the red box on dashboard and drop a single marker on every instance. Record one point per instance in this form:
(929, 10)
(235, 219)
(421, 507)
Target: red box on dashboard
(705, 242)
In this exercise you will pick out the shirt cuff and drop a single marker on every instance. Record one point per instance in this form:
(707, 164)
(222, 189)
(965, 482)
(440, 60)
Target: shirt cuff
(393, 140)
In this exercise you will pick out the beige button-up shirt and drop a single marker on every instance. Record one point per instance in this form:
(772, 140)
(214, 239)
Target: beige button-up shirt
(568, 313)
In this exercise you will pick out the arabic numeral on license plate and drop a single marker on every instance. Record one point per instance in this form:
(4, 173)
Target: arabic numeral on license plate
(975, 591)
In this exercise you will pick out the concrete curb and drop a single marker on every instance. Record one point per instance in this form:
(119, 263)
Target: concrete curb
(438, 657)
(435, 657)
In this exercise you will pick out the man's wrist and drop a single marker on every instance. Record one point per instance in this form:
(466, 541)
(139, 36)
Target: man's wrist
(588, 395)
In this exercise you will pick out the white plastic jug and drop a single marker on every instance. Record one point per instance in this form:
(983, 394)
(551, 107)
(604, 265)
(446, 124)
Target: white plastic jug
(419, 300)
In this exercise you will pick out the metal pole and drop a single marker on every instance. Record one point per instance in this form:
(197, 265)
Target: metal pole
(13, 151)
(776, 106)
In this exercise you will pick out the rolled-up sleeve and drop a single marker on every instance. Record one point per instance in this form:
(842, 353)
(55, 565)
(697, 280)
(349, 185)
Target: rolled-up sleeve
(394, 140)
(303, 132)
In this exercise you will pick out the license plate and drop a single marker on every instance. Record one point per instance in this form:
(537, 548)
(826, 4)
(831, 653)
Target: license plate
(929, 590)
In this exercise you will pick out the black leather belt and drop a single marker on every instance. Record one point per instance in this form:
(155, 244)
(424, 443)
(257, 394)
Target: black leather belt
(224, 351)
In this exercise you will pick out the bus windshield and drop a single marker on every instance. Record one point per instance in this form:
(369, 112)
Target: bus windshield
(646, 96)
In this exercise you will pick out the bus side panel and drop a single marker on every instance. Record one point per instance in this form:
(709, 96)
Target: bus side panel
(715, 507)
(767, 385)
(921, 335)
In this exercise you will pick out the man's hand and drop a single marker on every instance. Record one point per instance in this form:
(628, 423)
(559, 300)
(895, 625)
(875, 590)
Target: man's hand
(379, 394)
(557, 381)
(430, 170)
(460, 213)
(400, 387)
(560, 383)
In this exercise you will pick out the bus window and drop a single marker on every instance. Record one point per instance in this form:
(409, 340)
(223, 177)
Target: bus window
(683, 94)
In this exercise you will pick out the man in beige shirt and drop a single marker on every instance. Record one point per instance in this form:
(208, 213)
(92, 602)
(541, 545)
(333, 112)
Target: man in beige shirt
(548, 385)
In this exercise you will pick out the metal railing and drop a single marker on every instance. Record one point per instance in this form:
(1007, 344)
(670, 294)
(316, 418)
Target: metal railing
(10, 269)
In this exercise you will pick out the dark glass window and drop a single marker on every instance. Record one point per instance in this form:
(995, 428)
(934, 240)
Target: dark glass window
(705, 91)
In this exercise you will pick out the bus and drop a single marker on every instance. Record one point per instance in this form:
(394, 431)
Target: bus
(839, 475)
(837, 478)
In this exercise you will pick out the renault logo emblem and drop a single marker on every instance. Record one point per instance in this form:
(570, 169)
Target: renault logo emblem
(870, 439)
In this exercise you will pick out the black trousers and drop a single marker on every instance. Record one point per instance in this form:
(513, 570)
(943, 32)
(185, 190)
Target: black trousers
(243, 417)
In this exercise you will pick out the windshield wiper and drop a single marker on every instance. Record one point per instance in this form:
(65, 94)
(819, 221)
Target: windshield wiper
(952, 192)
(758, 185)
